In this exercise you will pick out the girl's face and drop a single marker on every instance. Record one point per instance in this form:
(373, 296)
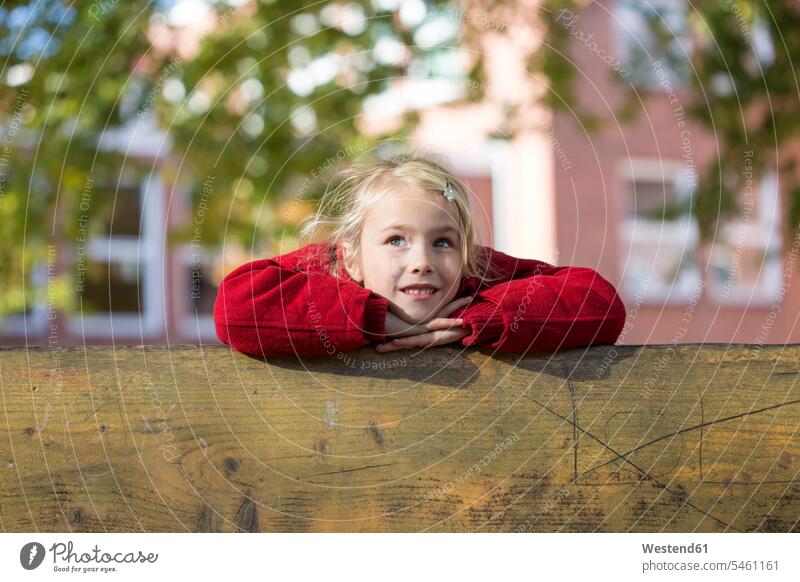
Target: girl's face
(410, 253)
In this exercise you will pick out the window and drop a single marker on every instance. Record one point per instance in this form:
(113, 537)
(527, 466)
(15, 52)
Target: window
(746, 260)
(119, 271)
(112, 286)
(653, 41)
(659, 234)
(660, 240)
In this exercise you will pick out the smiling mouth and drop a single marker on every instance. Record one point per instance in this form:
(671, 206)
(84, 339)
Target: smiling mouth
(419, 291)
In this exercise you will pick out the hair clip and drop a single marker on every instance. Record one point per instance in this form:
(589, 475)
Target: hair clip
(449, 192)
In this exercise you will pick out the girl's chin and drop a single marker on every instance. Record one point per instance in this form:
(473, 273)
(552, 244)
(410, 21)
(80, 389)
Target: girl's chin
(413, 316)
(419, 320)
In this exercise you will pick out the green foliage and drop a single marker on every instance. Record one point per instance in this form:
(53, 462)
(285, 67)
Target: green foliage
(241, 112)
(757, 50)
(63, 74)
(230, 112)
(266, 139)
(553, 59)
(742, 75)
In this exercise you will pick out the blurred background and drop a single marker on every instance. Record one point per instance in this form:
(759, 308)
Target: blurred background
(148, 148)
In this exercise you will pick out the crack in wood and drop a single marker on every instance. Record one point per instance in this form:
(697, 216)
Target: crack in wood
(688, 429)
(574, 431)
(644, 473)
(702, 420)
(351, 470)
(247, 516)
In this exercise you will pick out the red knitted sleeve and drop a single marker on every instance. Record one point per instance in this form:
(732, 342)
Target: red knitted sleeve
(273, 307)
(538, 307)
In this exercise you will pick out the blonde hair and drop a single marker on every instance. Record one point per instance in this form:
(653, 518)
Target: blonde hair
(343, 209)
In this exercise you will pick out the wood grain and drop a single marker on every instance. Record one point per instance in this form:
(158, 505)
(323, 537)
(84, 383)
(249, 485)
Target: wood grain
(612, 439)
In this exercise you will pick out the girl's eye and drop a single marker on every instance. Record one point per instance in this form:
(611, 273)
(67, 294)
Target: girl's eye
(447, 242)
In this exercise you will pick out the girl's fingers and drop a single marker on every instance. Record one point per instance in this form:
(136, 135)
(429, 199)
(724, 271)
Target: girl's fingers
(407, 342)
(434, 338)
(450, 336)
(411, 330)
(443, 323)
(389, 347)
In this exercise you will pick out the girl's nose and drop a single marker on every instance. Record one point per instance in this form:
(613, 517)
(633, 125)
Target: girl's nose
(420, 261)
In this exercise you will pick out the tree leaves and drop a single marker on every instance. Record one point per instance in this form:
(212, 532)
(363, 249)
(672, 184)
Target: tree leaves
(272, 94)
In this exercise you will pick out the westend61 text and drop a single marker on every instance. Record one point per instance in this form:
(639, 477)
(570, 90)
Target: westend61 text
(668, 549)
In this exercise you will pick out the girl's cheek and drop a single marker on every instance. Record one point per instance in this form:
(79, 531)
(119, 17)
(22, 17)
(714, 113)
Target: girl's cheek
(451, 289)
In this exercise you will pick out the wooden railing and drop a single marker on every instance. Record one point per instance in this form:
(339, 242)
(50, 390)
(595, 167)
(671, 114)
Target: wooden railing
(187, 438)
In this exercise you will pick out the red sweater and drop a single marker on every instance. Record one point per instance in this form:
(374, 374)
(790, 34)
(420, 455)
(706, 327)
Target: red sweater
(291, 304)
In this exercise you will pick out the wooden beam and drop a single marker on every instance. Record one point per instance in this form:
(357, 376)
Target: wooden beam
(184, 438)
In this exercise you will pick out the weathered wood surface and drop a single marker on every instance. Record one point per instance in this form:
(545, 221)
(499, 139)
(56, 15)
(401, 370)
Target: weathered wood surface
(204, 439)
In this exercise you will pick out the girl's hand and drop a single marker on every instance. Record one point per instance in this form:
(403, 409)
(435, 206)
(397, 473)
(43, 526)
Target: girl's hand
(425, 340)
(438, 331)
(398, 327)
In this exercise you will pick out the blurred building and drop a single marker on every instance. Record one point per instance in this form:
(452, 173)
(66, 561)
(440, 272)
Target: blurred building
(615, 199)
